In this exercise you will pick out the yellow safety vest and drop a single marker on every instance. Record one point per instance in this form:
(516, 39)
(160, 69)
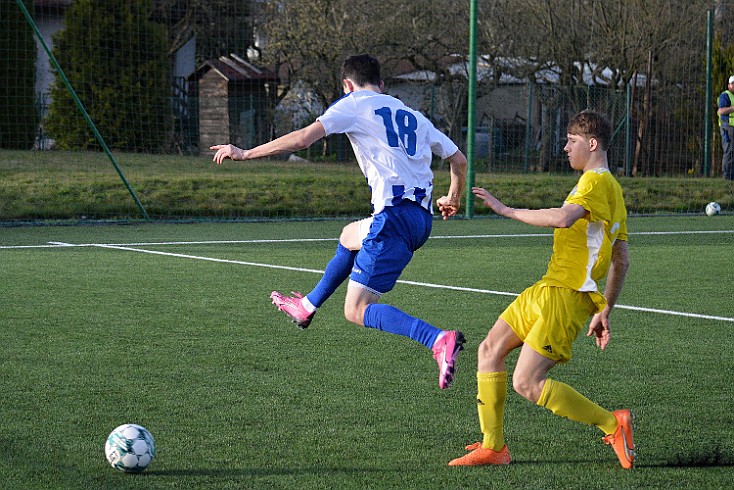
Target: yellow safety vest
(731, 103)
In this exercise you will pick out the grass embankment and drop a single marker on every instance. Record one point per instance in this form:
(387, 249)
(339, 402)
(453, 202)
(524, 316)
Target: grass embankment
(81, 185)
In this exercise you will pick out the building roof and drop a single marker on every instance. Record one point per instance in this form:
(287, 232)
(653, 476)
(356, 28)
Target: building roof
(235, 69)
(592, 75)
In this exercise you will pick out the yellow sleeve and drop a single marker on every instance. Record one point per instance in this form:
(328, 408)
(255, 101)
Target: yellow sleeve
(589, 195)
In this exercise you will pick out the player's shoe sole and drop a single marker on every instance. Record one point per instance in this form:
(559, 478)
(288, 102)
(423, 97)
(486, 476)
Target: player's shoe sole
(291, 306)
(622, 441)
(480, 456)
(445, 353)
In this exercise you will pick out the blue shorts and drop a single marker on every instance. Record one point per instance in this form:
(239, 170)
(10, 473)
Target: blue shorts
(395, 233)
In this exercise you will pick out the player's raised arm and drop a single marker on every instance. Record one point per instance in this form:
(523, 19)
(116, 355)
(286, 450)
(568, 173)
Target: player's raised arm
(288, 143)
(563, 217)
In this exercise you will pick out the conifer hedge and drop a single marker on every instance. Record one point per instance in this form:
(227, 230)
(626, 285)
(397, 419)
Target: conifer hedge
(18, 113)
(120, 73)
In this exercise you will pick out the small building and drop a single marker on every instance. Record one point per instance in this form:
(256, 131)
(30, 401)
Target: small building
(236, 100)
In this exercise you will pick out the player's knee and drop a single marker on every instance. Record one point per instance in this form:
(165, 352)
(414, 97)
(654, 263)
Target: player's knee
(349, 237)
(354, 314)
(489, 351)
(344, 239)
(520, 385)
(485, 350)
(526, 387)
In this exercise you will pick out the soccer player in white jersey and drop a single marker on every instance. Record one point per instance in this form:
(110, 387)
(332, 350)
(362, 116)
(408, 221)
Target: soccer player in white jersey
(394, 146)
(589, 241)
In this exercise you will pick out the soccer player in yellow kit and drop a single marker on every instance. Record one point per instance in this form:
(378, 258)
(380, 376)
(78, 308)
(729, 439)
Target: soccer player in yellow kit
(589, 241)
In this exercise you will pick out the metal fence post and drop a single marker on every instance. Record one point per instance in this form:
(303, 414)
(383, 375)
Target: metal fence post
(472, 95)
(528, 129)
(628, 133)
(707, 105)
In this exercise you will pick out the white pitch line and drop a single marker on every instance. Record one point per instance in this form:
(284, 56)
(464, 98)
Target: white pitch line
(224, 242)
(523, 235)
(128, 247)
(298, 240)
(676, 313)
(151, 244)
(16, 247)
(413, 283)
(209, 259)
(692, 232)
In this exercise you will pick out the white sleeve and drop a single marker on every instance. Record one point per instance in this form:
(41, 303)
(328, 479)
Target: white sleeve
(442, 146)
(339, 117)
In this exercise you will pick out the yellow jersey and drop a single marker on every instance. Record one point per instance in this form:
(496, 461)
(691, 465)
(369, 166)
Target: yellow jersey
(582, 253)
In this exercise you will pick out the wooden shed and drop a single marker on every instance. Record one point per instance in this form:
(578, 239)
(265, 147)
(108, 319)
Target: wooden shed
(236, 99)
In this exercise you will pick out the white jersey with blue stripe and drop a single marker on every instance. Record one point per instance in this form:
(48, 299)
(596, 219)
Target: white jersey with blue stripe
(393, 145)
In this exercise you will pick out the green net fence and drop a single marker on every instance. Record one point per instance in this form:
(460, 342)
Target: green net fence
(108, 108)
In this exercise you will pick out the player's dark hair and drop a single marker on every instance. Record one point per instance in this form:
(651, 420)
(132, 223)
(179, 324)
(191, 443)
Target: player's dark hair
(362, 69)
(592, 124)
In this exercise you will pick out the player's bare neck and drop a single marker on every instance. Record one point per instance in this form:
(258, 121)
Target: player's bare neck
(371, 88)
(595, 165)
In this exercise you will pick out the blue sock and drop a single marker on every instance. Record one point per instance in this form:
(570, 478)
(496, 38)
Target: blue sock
(337, 270)
(389, 319)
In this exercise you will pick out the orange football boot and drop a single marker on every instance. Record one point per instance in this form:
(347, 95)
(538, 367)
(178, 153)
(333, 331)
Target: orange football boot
(480, 456)
(622, 441)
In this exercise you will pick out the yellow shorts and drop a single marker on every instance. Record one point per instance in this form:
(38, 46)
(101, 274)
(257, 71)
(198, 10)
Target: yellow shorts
(549, 318)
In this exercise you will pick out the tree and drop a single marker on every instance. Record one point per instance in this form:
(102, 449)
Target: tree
(18, 113)
(605, 43)
(580, 53)
(221, 27)
(545, 41)
(116, 61)
(433, 36)
(649, 44)
(723, 18)
(309, 39)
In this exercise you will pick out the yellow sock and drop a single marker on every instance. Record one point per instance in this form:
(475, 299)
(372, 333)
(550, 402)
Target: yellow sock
(491, 394)
(563, 400)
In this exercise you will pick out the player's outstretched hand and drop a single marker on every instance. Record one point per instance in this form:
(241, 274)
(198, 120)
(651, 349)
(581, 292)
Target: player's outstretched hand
(599, 326)
(448, 206)
(226, 151)
(489, 200)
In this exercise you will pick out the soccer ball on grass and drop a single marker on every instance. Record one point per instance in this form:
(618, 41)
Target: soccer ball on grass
(130, 448)
(713, 208)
